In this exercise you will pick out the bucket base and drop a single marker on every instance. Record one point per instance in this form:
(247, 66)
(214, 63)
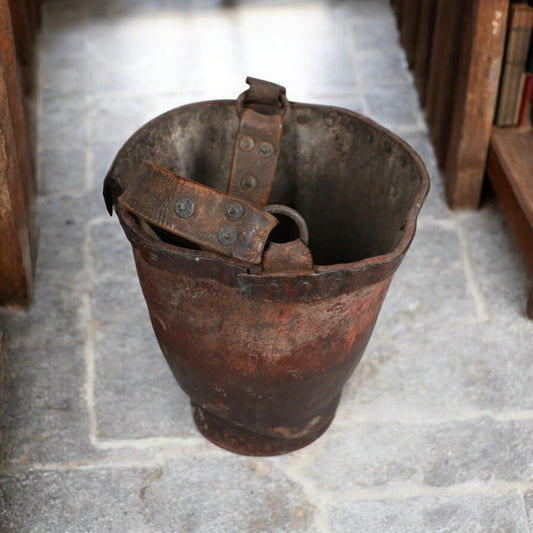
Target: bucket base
(237, 439)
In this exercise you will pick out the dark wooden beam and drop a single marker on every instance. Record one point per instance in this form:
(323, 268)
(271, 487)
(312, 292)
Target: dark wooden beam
(475, 96)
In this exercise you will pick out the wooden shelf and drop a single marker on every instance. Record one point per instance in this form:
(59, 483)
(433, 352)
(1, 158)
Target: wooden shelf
(455, 49)
(510, 170)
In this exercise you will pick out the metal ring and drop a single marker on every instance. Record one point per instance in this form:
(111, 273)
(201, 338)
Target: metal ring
(299, 220)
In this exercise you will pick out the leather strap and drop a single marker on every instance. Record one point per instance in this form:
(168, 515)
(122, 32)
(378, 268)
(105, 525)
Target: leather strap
(262, 109)
(215, 221)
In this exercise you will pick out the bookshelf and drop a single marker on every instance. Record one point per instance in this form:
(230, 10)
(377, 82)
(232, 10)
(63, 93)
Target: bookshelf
(458, 50)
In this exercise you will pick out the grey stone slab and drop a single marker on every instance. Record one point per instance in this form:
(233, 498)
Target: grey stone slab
(363, 10)
(112, 251)
(312, 65)
(136, 394)
(58, 12)
(62, 48)
(45, 416)
(352, 101)
(440, 371)
(501, 271)
(456, 514)
(436, 455)
(103, 156)
(3, 357)
(394, 106)
(63, 230)
(229, 494)
(57, 314)
(121, 8)
(62, 120)
(243, 3)
(115, 117)
(55, 318)
(528, 501)
(430, 286)
(210, 495)
(500, 374)
(74, 501)
(305, 55)
(380, 33)
(225, 77)
(290, 19)
(62, 171)
(327, 63)
(435, 205)
(67, 79)
(381, 67)
(150, 54)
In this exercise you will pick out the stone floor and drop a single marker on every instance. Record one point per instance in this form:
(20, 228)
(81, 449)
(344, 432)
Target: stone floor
(435, 429)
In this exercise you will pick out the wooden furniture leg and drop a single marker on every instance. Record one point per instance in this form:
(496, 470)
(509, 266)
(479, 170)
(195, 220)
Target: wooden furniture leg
(17, 186)
(15, 259)
(476, 91)
(439, 96)
(424, 44)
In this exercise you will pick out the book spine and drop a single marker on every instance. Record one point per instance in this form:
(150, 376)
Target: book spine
(524, 117)
(515, 59)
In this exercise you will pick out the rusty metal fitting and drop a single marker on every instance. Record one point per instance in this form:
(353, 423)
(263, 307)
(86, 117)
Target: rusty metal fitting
(301, 224)
(265, 97)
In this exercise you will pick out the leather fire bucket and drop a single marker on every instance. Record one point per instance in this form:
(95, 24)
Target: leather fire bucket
(265, 235)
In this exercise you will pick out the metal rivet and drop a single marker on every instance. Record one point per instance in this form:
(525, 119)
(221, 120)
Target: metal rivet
(268, 448)
(302, 119)
(248, 182)
(266, 149)
(338, 280)
(234, 210)
(227, 235)
(184, 207)
(304, 286)
(330, 120)
(387, 147)
(246, 143)
(227, 113)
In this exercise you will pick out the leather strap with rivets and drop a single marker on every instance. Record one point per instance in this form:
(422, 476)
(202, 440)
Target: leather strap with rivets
(262, 109)
(214, 220)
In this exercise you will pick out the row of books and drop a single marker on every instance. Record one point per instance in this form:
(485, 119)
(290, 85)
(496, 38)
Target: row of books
(516, 85)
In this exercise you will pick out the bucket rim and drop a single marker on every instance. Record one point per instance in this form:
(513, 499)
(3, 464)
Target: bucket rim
(391, 259)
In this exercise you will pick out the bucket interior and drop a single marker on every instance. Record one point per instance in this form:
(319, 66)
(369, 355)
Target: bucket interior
(354, 182)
